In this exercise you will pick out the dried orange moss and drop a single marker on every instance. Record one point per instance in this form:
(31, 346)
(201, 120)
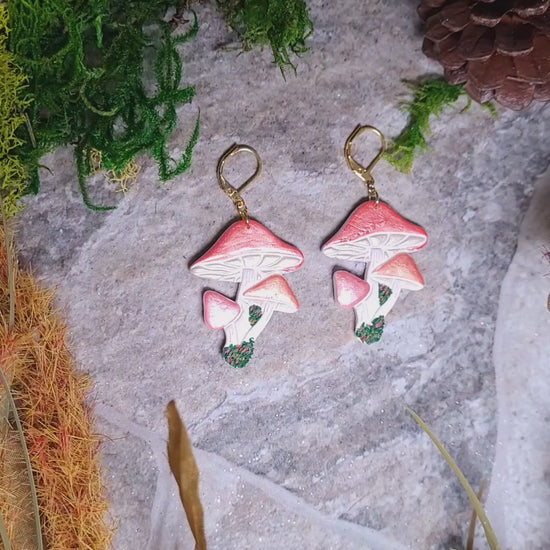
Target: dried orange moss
(50, 396)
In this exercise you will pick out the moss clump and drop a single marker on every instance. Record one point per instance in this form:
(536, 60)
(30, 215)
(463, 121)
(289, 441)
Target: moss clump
(283, 25)
(254, 314)
(369, 334)
(87, 64)
(239, 356)
(384, 293)
(430, 98)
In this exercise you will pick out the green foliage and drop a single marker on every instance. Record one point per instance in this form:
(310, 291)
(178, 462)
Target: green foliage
(369, 334)
(239, 356)
(283, 25)
(13, 102)
(87, 64)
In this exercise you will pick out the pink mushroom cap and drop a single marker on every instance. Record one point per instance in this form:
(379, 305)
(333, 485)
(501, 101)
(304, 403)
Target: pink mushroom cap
(349, 289)
(277, 290)
(219, 310)
(400, 268)
(373, 225)
(243, 247)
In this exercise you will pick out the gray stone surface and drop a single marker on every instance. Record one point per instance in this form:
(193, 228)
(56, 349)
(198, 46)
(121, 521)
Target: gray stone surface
(310, 446)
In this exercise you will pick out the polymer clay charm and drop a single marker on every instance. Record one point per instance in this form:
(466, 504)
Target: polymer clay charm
(376, 235)
(249, 254)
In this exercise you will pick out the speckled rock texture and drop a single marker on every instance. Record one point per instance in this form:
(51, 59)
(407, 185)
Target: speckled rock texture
(311, 446)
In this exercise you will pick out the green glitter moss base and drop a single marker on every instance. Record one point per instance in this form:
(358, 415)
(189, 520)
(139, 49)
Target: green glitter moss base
(254, 314)
(369, 334)
(239, 356)
(384, 292)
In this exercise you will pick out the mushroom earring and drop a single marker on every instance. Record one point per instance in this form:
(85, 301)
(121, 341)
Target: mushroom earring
(376, 235)
(249, 254)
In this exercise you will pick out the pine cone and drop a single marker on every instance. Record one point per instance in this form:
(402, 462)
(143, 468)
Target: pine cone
(499, 48)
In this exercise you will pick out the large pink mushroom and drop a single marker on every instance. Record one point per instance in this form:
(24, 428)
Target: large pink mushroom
(246, 253)
(374, 233)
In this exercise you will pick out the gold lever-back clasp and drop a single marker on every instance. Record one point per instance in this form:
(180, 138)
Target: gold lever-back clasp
(360, 171)
(234, 193)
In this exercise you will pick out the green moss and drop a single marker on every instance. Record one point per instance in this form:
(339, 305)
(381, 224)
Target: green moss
(283, 25)
(430, 98)
(87, 64)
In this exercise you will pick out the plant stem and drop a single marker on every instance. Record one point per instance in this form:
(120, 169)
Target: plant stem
(4, 534)
(489, 533)
(11, 404)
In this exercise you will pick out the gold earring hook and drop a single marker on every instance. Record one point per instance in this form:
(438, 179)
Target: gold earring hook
(360, 171)
(234, 193)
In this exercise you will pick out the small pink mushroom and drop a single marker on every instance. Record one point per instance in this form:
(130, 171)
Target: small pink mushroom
(349, 289)
(399, 273)
(272, 294)
(219, 311)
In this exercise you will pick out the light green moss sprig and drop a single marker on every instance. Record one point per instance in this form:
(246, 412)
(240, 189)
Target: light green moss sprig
(430, 98)
(13, 103)
(283, 25)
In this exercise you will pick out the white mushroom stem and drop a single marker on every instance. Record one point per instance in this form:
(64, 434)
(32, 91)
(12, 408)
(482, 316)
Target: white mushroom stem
(231, 337)
(367, 310)
(375, 259)
(241, 324)
(268, 308)
(249, 278)
(390, 302)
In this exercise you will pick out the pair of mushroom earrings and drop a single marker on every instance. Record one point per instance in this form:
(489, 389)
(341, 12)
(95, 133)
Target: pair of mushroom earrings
(250, 254)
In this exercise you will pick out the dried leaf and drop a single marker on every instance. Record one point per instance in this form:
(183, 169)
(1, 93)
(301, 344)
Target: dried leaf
(185, 470)
(489, 533)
